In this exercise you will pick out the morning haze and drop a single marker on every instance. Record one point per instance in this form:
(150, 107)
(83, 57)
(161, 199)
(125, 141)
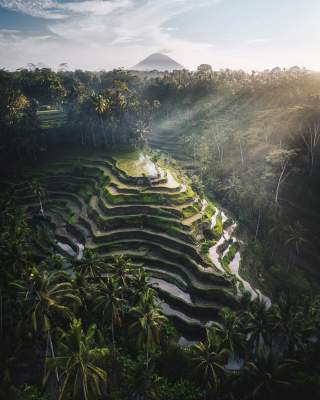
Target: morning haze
(159, 202)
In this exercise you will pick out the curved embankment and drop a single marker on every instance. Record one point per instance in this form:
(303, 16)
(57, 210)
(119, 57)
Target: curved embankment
(129, 205)
(225, 252)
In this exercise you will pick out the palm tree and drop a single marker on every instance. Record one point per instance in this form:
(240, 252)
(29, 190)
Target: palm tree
(15, 246)
(232, 188)
(39, 192)
(290, 325)
(78, 357)
(148, 323)
(110, 301)
(267, 374)
(210, 357)
(122, 269)
(15, 104)
(46, 295)
(142, 382)
(258, 323)
(140, 283)
(101, 105)
(296, 237)
(231, 330)
(90, 265)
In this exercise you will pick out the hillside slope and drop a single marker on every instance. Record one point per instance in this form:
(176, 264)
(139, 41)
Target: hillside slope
(235, 142)
(126, 204)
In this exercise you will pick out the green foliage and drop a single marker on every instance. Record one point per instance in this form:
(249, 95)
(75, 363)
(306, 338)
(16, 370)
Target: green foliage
(228, 127)
(51, 119)
(99, 327)
(225, 261)
(209, 211)
(149, 198)
(183, 390)
(78, 357)
(28, 392)
(205, 246)
(218, 228)
(190, 211)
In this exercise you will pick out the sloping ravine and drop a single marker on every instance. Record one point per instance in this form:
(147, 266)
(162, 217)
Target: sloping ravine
(127, 204)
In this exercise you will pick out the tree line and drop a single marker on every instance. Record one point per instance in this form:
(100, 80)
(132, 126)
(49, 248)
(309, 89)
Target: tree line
(98, 110)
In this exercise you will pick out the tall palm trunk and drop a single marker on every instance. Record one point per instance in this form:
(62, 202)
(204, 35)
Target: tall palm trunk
(1, 313)
(258, 224)
(147, 358)
(103, 130)
(93, 136)
(112, 331)
(41, 206)
(53, 356)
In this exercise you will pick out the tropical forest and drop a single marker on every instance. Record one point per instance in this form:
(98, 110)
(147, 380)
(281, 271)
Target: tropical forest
(159, 232)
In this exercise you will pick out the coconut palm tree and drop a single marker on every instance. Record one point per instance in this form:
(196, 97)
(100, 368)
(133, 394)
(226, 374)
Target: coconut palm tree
(79, 359)
(258, 323)
(296, 237)
(289, 325)
(210, 357)
(39, 192)
(267, 375)
(102, 105)
(139, 284)
(109, 300)
(122, 269)
(232, 188)
(45, 296)
(148, 323)
(231, 330)
(91, 265)
(142, 382)
(15, 248)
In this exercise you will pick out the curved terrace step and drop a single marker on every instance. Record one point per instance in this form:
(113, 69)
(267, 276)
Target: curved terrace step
(142, 222)
(165, 210)
(173, 254)
(151, 220)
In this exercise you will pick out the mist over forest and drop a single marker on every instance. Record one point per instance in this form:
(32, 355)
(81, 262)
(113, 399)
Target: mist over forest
(160, 200)
(159, 234)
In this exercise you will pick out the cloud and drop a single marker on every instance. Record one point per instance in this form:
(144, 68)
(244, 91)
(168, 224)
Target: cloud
(53, 9)
(258, 41)
(94, 7)
(99, 34)
(172, 28)
(36, 8)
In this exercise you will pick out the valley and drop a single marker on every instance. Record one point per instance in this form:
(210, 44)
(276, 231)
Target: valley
(123, 203)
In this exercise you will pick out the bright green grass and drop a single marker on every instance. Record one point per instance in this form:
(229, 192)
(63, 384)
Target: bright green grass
(226, 260)
(189, 211)
(205, 246)
(51, 119)
(218, 228)
(128, 162)
(209, 211)
(149, 198)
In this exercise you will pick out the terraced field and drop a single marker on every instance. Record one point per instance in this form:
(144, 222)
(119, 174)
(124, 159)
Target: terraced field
(126, 204)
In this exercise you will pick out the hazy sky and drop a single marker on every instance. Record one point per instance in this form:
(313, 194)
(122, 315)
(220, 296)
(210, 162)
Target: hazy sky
(104, 34)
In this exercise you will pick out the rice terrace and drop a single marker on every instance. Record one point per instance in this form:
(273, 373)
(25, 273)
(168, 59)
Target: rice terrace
(160, 186)
(124, 204)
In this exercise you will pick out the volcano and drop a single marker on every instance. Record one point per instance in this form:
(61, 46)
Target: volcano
(159, 62)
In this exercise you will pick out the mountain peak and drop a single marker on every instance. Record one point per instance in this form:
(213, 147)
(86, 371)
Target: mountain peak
(159, 62)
